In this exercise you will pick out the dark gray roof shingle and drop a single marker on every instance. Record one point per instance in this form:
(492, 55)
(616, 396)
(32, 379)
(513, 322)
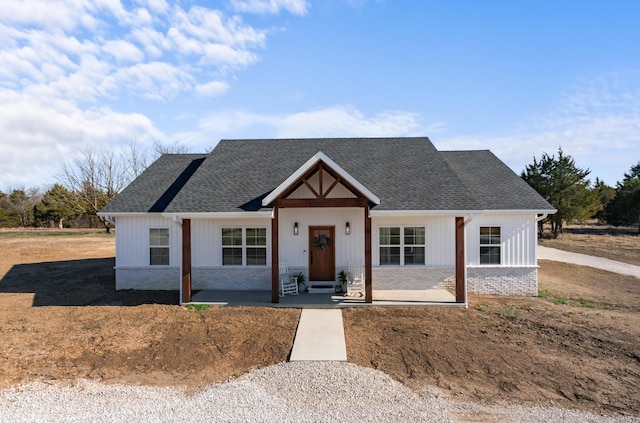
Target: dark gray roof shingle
(492, 183)
(157, 186)
(405, 173)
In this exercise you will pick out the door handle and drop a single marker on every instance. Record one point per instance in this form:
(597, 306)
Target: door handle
(311, 257)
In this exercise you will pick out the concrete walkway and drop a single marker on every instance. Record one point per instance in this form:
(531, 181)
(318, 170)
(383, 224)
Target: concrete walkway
(546, 253)
(320, 336)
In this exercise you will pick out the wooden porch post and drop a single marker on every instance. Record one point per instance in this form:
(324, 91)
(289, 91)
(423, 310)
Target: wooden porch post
(460, 261)
(274, 255)
(368, 287)
(186, 260)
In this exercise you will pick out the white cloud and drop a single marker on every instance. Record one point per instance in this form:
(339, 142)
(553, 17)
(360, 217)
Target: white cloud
(39, 137)
(124, 51)
(212, 89)
(155, 80)
(335, 121)
(296, 7)
(67, 65)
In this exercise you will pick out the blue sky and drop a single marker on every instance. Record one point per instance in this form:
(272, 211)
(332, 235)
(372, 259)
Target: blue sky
(518, 78)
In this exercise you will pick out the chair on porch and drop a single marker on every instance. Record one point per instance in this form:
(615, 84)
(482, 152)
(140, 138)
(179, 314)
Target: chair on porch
(288, 284)
(355, 285)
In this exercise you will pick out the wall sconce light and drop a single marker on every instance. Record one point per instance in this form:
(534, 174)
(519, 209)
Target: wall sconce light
(347, 229)
(295, 228)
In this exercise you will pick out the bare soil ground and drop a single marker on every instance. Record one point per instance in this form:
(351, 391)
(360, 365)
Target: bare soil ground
(61, 319)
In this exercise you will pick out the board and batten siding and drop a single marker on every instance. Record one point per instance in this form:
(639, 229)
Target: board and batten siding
(132, 240)
(294, 248)
(439, 237)
(206, 239)
(518, 236)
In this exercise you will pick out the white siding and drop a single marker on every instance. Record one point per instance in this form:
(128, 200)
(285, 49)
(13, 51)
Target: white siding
(518, 236)
(439, 234)
(206, 238)
(294, 248)
(132, 240)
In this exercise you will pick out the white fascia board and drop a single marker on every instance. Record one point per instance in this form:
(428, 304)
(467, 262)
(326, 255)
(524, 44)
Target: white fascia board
(221, 215)
(319, 156)
(381, 213)
(127, 214)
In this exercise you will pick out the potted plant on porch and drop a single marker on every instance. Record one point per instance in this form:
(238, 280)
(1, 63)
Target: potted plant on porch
(301, 278)
(343, 277)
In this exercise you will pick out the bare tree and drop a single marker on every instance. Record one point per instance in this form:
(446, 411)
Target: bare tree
(136, 160)
(174, 148)
(94, 179)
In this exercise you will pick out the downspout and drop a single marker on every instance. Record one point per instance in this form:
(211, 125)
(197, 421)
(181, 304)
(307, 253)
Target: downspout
(543, 216)
(111, 220)
(178, 221)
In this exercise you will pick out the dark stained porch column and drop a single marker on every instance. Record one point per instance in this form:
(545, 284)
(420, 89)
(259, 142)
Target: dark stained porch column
(368, 286)
(460, 261)
(186, 260)
(274, 255)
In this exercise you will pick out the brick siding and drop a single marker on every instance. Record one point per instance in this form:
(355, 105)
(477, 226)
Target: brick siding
(503, 280)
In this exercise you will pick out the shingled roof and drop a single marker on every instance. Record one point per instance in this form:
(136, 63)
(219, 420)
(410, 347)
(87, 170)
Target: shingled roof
(405, 173)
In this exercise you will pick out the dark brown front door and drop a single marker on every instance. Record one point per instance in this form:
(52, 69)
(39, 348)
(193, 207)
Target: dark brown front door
(322, 253)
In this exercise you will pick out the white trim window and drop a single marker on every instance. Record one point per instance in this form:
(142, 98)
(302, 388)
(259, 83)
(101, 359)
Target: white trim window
(402, 246)
(490, 245)
(158, 246)
(244, 246)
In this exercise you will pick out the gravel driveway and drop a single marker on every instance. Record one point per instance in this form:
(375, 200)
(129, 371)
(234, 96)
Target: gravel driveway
(287, 392)
(546, 253)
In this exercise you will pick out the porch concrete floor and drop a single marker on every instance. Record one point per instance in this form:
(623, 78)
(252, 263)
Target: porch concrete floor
(402, 298)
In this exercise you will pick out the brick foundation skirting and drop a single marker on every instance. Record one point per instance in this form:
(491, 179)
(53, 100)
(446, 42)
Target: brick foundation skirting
(151, 278)
(231, 278)
(480, 280)
(503, 280)
(411, 278)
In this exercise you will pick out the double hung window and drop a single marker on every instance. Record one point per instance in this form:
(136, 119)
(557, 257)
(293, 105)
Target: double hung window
(402, 245)
(159, 246)
(244, 246)
(490, 245)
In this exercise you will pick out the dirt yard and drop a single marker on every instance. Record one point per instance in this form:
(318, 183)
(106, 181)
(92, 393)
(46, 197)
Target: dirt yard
(60, 319)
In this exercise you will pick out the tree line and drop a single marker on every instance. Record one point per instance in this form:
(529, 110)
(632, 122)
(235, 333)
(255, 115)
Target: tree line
(85, 185)
(565, 185)
(89, 182)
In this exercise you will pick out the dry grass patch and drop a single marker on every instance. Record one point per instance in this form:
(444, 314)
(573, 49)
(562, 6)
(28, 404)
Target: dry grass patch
(621, 244)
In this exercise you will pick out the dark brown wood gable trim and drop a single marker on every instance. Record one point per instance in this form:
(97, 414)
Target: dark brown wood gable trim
(320, 172)
(333, 185)
(275, 294)
(313, 191)
(460, 261)
(320, 168)
(186, 260)
(322, 202)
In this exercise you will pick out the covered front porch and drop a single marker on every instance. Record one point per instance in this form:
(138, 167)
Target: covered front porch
(381, 298)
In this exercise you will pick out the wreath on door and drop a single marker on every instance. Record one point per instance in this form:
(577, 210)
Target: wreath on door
(322, 242)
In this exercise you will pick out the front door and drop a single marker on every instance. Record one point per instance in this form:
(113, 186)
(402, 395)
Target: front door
(322, 253)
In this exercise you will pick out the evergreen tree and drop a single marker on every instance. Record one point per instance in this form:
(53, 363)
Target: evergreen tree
(565, 186)
(624, 209)
(56, 205)
(605, 194)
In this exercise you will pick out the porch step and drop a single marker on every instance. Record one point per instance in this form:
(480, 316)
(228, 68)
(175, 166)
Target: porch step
(322, 287)
(312, 290)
